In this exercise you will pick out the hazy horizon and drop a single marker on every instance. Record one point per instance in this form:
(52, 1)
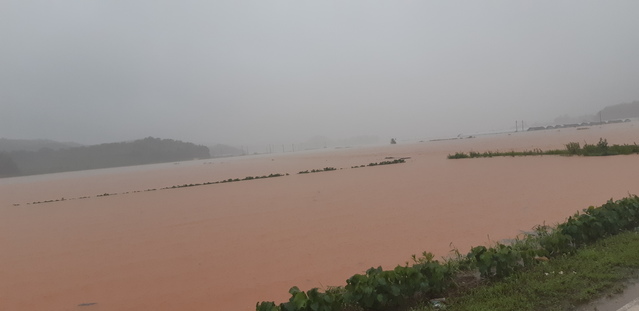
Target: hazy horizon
(258, 72)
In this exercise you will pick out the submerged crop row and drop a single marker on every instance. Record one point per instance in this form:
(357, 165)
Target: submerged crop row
(326, 169)
(226, 181)
(396, 161)
(229, 180)
(426, 278)
(573, 148)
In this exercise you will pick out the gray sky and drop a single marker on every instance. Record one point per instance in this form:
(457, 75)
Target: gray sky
(250, 72)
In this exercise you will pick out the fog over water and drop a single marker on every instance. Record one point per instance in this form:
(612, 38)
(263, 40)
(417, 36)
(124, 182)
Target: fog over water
(276, 72)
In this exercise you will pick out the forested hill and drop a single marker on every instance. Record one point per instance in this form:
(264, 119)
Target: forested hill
(621, 111)
(144, 151)
(8, 145)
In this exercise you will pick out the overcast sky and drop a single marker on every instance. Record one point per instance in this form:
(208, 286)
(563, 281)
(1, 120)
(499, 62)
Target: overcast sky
(251, 72)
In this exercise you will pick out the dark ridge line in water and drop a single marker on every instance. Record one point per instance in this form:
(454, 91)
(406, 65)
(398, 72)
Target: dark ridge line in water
(247, 178)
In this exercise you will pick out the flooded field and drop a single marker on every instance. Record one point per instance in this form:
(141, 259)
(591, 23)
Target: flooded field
(226, 246)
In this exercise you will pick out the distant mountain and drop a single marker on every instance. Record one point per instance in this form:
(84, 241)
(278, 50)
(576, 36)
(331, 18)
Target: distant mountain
(8, 167)
(566, 119)
(9, 145)
(144, 151)
(620, 111)
(610, 113)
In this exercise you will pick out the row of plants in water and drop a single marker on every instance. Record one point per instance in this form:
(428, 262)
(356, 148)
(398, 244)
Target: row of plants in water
(396, 161)
(573, 148)
(326, 169)
(106, 194)
(426, 278)
(227, 181)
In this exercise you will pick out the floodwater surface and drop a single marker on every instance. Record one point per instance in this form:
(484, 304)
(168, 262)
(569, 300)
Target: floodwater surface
(227, 246)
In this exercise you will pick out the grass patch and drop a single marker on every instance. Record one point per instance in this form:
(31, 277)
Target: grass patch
(573, 148)
(559, 284)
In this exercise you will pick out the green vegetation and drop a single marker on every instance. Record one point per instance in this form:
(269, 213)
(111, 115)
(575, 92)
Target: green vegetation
(396, 161)
(555, 253)
(229, 180)
(490, 154)
(171, 187)
(378, 289)
(561, 283)
(573, 148)
(326, 169)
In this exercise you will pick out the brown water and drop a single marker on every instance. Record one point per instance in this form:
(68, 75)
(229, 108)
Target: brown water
(227, 246)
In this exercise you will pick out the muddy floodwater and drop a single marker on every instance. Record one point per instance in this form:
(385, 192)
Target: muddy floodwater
(227, 246)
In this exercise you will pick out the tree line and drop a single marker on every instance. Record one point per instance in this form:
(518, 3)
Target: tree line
(144, 151)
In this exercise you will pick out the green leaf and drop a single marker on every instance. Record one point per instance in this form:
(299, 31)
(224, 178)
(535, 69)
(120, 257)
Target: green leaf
(381, 298)
(299, 300)
(294, 290)
(381, 281)
(395, 290)
(266, 306)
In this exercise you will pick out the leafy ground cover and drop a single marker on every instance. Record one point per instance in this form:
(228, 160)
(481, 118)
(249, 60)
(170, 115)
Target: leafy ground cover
(545, 266)
(573, 148)
(563, 283)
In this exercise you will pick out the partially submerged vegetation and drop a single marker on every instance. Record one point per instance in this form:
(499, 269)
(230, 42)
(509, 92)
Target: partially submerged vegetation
(229, 180)
(326, 169)
(553, 252)
(562, 283)
(573, 148)
(396, 161)
(106, 194)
